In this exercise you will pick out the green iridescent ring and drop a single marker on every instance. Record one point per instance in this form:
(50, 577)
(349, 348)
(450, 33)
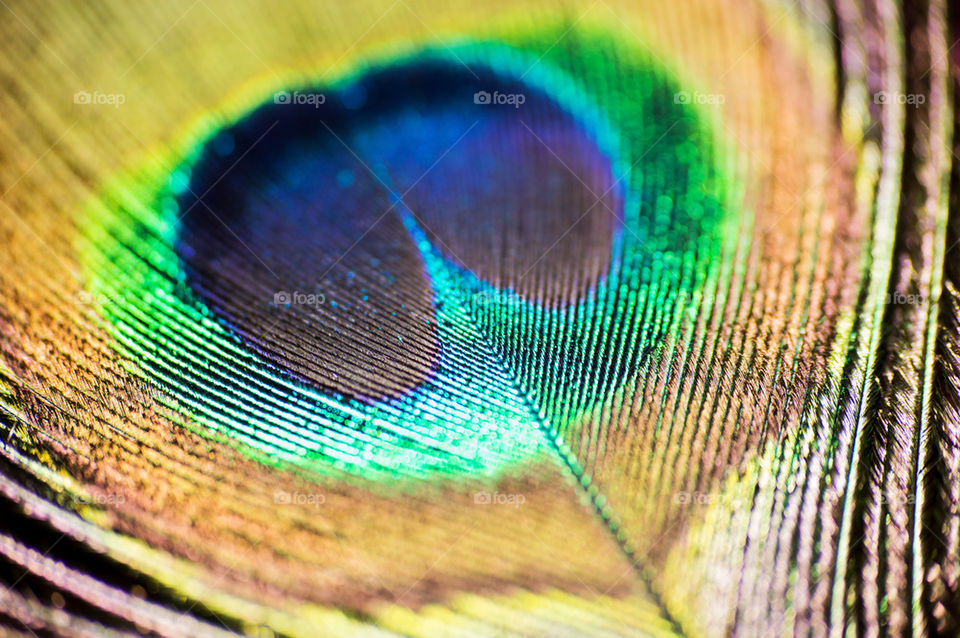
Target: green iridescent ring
(667, 248)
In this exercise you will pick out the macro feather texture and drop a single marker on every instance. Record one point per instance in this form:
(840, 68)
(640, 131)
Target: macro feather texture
(406, 318)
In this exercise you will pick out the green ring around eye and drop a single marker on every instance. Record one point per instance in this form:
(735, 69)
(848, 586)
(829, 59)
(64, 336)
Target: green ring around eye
(667, 260)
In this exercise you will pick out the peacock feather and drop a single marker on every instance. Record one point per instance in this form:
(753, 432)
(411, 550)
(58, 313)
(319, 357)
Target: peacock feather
(407, 318)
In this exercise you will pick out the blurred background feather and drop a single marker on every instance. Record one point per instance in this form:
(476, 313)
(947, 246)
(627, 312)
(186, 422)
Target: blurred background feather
(507, 318)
